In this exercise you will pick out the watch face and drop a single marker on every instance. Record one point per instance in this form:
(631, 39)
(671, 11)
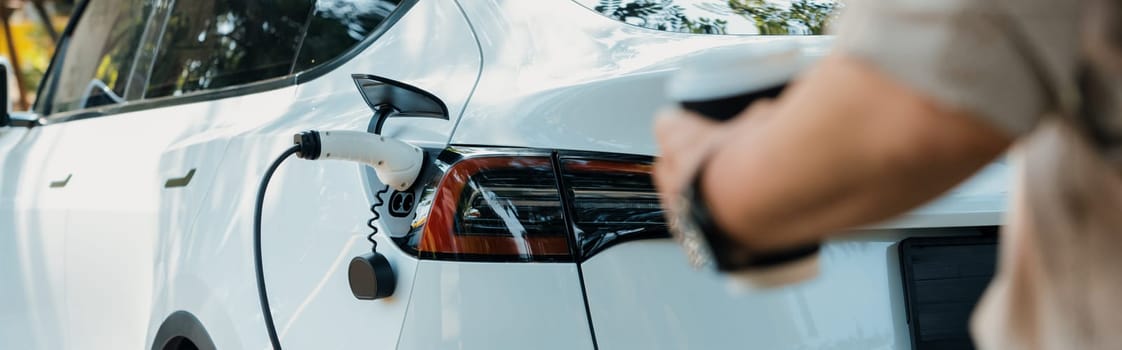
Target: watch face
(688, 234)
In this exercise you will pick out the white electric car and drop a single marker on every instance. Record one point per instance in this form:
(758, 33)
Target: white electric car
(127, 195)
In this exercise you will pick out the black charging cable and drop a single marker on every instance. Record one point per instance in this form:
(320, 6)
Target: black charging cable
(375, 216)
(257, 208)
(370, 275)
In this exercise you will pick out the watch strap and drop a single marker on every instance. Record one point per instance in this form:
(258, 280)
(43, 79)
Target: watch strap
(728, 254)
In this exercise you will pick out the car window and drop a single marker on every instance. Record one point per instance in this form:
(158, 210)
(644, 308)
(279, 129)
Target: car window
(338, 25)
(98, 60)
(761, 17)
(210, 44)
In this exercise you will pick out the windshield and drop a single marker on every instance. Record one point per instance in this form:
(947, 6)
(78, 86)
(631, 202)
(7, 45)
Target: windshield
(754, 17)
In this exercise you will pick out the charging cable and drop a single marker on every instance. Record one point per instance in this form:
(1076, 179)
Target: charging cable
(396, 164)
(263, 295)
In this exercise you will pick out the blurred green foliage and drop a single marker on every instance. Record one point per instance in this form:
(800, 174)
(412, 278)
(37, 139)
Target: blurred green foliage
(32, 38)
(777, 17)
(659, 14)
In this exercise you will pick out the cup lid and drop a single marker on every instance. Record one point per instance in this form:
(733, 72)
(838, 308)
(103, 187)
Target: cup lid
(733, 70)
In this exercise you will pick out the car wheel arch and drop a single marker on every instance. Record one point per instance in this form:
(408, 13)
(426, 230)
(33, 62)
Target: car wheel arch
(179, 329)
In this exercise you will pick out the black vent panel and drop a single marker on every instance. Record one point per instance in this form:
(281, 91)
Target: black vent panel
(943, 279)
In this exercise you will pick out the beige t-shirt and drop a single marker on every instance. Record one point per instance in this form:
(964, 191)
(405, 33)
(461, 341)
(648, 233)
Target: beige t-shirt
(1050, 73)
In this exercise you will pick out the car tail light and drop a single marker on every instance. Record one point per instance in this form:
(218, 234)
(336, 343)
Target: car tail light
(497, 208)
(613, 201)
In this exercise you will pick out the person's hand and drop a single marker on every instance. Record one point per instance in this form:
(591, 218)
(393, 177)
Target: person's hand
(685, 140)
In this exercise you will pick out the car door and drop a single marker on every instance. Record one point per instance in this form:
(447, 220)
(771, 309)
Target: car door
(111, 145)
(151, 151)
(50, 169)
(315, 213)
(136, 160)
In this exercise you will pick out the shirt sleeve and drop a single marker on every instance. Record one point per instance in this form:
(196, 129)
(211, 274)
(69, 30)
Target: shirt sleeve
(1002, 61)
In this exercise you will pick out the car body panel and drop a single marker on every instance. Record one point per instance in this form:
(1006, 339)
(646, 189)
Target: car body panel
(184, 255)
(557, 75)
(661, 303)
(459, 305)
(114, 220)
(33, 226)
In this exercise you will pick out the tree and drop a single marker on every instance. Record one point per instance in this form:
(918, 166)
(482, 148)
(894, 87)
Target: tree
(814, 15)
(45, 17)
(659, 14)
(810, 16)
(29, 48)
(769, 18)
(5, 16)
(707, 26)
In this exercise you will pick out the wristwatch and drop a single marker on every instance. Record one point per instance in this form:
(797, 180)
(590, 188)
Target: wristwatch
(706, 244)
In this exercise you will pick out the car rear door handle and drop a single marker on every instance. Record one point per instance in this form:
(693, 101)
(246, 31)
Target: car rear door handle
(180, 181)
(61, 183)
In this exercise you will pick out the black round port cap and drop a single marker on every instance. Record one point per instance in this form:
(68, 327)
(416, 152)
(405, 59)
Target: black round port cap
(371, 277)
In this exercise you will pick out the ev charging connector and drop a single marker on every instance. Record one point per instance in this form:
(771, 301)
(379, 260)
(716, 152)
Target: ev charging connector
(396, 163)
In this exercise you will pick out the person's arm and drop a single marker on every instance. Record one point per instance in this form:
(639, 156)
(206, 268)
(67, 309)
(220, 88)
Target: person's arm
(846, 146)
